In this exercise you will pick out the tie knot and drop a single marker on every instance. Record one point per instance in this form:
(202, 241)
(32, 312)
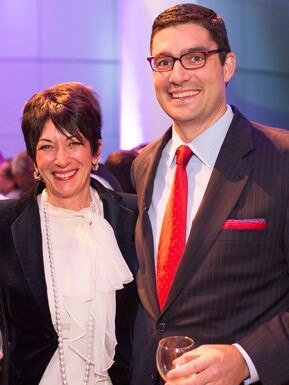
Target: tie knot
(183, 154)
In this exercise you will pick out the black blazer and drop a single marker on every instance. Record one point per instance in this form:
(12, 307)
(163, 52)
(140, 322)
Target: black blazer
(33, 339)
(4, 330)
(231, 285)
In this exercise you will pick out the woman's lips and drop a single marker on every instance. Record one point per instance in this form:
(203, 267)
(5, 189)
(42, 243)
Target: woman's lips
(64, 175)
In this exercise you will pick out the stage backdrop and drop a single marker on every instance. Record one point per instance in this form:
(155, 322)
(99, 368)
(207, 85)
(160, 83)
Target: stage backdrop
(105, 43)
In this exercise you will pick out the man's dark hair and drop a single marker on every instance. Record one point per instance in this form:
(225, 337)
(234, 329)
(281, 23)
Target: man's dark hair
(192, 13)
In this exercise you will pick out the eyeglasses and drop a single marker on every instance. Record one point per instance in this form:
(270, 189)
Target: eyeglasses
(189, 61)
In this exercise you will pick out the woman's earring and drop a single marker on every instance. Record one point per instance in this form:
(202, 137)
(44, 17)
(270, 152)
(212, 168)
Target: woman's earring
(94, 167)
(36, 175)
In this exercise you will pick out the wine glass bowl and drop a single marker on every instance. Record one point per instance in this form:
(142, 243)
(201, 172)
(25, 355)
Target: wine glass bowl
(170, 348)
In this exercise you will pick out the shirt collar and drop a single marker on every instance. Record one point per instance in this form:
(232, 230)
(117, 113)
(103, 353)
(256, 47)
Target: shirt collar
(207, 145)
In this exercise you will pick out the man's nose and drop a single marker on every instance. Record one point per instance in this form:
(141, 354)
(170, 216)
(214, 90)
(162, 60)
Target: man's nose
(178, 73)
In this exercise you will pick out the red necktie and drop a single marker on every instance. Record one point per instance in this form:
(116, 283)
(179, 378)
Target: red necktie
(173, 233)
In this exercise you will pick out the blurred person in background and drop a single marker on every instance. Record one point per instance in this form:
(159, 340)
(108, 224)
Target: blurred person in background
(139, 148)
(119, 164)
(22, 170)
(8, 185)
(106, 177)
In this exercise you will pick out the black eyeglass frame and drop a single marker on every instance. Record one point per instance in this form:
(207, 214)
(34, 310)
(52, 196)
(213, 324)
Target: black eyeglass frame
(206, 53)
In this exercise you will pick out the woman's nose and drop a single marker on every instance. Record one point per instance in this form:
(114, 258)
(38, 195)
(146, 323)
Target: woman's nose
(62, 156)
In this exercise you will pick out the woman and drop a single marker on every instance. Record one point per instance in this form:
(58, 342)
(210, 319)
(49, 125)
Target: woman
(65, 249)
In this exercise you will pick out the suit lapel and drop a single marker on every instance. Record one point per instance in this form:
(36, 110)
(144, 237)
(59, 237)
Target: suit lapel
(146, 181)
(146, 281)
(230, 175)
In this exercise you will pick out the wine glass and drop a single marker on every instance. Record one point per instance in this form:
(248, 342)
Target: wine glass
(169, 349)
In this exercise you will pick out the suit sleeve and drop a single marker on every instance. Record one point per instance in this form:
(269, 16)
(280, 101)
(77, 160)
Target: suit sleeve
(268, 345)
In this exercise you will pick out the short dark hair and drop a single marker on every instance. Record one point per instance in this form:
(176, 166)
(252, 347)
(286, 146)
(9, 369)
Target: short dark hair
(72, 107)
(192, 13)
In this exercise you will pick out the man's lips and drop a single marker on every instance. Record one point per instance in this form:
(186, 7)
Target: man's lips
(64, 175)
(183, 94)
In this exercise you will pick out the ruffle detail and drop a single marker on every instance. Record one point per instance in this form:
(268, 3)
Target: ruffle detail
(88, 283)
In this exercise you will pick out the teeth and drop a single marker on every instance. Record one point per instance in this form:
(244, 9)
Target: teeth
(184, 94)
(65, 175)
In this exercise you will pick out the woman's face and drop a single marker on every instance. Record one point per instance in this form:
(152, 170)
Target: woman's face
(64, 164)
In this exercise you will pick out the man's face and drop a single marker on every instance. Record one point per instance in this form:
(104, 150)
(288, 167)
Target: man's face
(196, 98)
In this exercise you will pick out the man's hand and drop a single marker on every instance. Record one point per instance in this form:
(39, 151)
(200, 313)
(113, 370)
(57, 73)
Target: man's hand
(209, 365)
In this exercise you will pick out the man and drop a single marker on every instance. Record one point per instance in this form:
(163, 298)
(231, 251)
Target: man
(230, 289)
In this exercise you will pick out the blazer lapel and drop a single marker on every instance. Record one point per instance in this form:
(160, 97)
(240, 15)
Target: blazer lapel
(230, 175)
(122, 218)
(28, 243)
(111, 208)
(146, 281)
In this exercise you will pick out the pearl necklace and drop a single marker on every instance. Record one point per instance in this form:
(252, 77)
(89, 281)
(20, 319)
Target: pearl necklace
(57, 308)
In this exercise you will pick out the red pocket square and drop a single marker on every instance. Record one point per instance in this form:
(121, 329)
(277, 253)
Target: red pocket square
(245, 224)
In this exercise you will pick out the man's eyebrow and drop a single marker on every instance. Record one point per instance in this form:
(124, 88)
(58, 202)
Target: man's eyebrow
(183, 52)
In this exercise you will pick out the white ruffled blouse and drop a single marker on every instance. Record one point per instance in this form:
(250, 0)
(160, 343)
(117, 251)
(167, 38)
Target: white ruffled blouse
(89, 269)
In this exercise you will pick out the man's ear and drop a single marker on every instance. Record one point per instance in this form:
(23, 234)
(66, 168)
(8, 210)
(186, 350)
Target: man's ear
(229, 66)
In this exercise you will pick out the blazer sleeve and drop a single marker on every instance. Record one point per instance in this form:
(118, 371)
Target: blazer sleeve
(4, 330)
(127, 298)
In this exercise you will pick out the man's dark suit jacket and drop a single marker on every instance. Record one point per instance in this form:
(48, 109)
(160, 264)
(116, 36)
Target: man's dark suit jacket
(231, 285)
(32, 336)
